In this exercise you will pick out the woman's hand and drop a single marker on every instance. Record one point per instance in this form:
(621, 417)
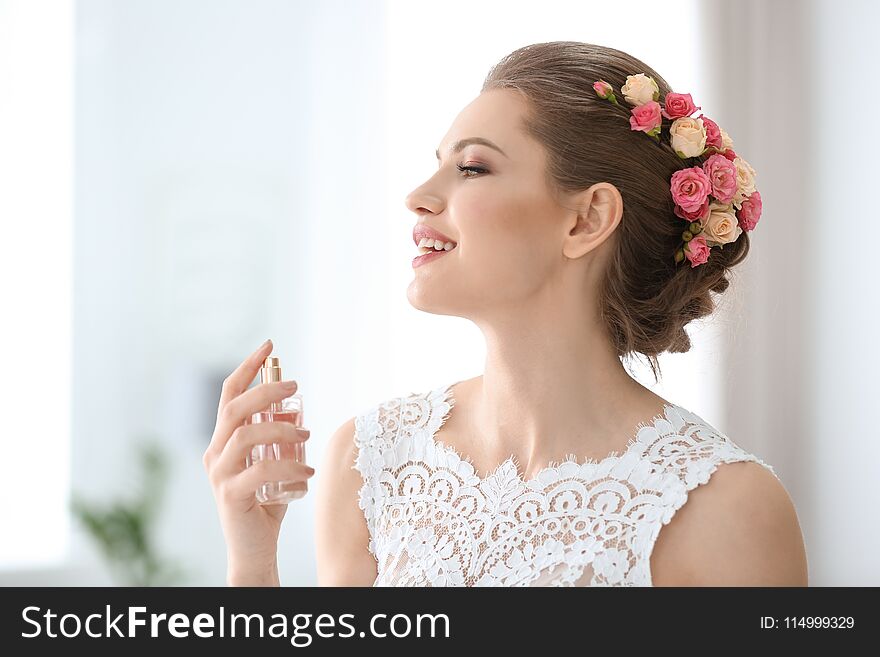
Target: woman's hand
(251, 529)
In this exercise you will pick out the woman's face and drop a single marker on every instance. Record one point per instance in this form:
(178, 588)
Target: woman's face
(510, 232)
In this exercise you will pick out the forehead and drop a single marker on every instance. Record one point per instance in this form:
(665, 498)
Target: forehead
(495, 115)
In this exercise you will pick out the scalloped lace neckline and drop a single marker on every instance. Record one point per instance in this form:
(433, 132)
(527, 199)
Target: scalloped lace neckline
(510, 467)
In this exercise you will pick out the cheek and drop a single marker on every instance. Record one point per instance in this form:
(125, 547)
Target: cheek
(504, 258)
(484, 210)
(504, 235)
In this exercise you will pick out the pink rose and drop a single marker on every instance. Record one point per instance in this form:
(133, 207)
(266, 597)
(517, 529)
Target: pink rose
(694, 215)
(713, 133)
(678, 105)
(646, 117)
(602, 88)
(690, 188)
(730, 154)
(697, 251)
(722, 173)
(750, 211)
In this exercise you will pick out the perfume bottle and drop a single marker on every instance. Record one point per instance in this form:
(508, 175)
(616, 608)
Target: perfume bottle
(289, 409)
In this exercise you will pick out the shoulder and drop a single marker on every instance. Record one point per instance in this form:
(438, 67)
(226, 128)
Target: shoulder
(341, 447)
(349, 492)
(381, 426)
(342, 538)
(337, 482)
(738, 527)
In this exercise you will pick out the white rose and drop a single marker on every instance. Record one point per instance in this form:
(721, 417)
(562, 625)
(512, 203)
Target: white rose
(721, 225)
(639, 89)
(688, 136)
(726, 141)
(745, 181)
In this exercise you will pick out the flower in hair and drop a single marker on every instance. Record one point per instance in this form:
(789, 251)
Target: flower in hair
(647, 118)
(717, 196)
(690, 188)
(750, 211)
(726, 141)
(640, 89)
(688, 137)
(678, 105)
(720, 226)
(722, 174)
(745, 178)
(713, 133)
(605, 90)
(696, 250)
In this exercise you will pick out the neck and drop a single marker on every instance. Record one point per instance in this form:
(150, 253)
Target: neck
(543, 397)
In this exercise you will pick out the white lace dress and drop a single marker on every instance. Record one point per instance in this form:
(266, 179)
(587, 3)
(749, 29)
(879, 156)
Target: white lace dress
(434, 522)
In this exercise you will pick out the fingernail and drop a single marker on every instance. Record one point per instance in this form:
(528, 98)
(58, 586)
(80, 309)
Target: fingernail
(265, 344)
(288, 385)
(310, 470)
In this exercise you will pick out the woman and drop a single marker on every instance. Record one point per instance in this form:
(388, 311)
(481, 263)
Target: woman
(574, 229)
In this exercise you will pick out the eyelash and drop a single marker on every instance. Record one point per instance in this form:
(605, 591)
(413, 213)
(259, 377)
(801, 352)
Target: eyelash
(478, 170)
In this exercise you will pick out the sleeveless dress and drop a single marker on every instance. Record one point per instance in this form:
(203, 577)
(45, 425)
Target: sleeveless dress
(434, 522)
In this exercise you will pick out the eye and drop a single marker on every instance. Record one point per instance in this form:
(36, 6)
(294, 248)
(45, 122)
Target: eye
(474, 170)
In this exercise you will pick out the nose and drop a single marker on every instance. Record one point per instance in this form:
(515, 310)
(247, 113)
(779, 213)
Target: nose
(415, 202)
(420, 200)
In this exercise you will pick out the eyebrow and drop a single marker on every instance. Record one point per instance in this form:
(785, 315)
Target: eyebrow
(461, 143)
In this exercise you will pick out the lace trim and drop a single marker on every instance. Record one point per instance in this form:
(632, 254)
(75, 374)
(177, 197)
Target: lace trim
(448, 399)
(400, 460)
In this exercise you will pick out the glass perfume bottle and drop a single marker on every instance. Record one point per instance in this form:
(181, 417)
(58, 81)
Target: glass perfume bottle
(289, 409)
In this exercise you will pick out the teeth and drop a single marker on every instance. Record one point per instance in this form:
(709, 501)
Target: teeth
(426, 245)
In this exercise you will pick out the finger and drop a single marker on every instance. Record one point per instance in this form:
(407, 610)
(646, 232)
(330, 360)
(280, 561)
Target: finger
(233, 457)
(243, 486)
(241, 377)
(236, 411)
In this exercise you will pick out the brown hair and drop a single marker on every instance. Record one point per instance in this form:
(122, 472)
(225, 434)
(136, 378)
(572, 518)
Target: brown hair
(646, 299)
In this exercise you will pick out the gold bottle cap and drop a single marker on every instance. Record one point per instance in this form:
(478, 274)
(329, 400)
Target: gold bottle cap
(270, 372)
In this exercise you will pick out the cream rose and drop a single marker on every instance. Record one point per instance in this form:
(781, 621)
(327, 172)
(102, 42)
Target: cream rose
(721, 225)
(688, 136)
(726, 141)
(640, 89)
(745, 181)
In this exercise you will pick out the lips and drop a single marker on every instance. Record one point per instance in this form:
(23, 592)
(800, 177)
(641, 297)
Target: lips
(428, 257)
(423, 230)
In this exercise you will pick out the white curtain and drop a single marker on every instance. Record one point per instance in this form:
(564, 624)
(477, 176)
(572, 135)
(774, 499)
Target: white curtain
(796, 80)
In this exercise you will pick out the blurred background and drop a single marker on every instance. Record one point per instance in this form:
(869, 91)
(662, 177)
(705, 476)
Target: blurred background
(182, 179)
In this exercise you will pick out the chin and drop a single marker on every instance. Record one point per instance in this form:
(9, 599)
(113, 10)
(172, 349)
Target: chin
(418, 297)
(424, 295)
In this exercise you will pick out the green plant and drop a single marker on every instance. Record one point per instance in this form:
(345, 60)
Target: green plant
(123, 529)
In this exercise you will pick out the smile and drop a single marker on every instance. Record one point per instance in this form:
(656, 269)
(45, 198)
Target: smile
(433, 254)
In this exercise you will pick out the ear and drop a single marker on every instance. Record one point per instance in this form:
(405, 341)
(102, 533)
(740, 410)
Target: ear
(599, 209)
